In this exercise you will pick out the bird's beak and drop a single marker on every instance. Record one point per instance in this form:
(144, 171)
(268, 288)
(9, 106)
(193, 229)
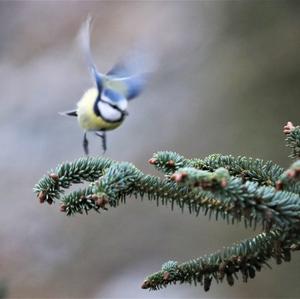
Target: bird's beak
(125, 113)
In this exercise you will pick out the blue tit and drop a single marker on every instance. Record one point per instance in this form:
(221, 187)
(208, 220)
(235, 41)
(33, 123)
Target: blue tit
(104, 107)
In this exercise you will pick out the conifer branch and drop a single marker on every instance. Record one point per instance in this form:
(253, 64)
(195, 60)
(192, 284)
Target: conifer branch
(51, 186)
(123, 179)
(257, 170)
(290, 179)
(249, 199)
(222, 195)
(230, 188)
(293, 139)
(245, 258)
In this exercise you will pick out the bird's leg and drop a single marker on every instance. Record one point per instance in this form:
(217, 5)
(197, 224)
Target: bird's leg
(85, 144)
(102, 135)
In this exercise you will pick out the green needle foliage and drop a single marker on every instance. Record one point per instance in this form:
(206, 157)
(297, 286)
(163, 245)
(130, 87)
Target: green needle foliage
(293, 141)
(233, 189)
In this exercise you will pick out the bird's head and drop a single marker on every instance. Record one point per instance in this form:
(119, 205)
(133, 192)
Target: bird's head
(115, 100)
(112, 105)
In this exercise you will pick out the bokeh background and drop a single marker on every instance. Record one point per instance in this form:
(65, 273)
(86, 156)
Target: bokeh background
(228, 79)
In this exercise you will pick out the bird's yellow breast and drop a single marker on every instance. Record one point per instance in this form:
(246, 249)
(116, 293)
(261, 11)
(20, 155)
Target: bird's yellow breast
(87, 118)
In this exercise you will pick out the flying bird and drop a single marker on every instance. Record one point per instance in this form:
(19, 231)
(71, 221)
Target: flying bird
(104, 107)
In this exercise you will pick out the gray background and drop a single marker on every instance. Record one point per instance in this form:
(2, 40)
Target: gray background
(228, 79)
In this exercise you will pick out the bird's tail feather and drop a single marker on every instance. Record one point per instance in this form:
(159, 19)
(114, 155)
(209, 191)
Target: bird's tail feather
(69, 113)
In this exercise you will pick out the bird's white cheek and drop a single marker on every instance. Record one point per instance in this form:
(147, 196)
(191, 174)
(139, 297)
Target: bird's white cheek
(123, 105)
(108, 112)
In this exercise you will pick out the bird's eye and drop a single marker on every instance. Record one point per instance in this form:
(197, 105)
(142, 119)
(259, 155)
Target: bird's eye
(114, 106)
(108, 112)
(109, 103)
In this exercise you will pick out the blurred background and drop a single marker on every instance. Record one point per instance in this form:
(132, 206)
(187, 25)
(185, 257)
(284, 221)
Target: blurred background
(228, 80)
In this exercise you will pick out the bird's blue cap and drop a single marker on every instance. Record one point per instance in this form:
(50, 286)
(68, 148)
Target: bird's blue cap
(112, 95)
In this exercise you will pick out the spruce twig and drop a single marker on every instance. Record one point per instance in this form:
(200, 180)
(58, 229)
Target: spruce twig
(248, 199)
(257, 170)
(293, 139)
(51, 186)
(230, 188)
(245, 258)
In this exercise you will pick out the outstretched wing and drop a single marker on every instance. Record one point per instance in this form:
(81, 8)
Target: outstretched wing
(132, 85)
(120, 69)
(132, 71)
(84, 38)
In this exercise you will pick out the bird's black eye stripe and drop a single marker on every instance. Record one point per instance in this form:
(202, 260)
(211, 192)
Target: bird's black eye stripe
(112, 105)
(98, 112)
(96, 108)
(115, 107)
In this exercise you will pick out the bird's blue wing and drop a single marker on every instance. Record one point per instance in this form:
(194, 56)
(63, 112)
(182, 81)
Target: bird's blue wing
(84, 38)
(119, 70)
(133, 85)
(133, 71)
(111, 94)
(129, 64)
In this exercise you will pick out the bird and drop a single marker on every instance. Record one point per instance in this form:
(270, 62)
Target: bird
(103, 107)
